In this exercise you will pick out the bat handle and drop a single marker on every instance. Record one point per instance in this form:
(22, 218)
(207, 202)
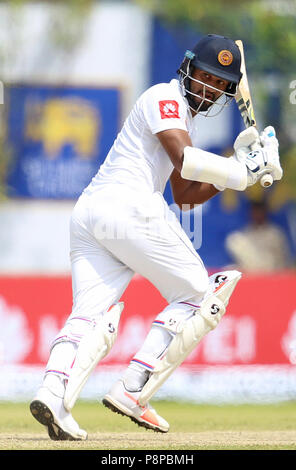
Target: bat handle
(267, 180)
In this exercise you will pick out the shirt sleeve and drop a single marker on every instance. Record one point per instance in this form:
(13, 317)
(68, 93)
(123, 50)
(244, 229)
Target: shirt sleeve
(164, 108)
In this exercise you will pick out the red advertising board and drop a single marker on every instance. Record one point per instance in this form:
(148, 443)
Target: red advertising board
(258, 328)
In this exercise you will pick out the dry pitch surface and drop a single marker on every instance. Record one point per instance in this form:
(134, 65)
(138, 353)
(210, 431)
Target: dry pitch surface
(193, 427)
(211, 440)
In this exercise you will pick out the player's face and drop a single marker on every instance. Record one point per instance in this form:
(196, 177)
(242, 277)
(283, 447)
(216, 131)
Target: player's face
(209, 89)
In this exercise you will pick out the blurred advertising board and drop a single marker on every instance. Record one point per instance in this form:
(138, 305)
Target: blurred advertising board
(258, 328)
(58, 137)
(250, 357)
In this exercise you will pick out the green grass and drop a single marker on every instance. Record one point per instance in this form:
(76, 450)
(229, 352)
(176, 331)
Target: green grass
(250, 427)
(184, 417)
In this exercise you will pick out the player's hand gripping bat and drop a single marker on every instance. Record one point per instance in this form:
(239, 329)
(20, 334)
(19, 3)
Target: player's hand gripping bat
(245, 105)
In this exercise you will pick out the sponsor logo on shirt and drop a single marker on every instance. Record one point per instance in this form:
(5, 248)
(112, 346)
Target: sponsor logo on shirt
(169, 109)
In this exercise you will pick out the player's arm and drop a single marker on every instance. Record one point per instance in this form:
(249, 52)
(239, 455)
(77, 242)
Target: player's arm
(184, 191)
(197, 165)
(189, 194)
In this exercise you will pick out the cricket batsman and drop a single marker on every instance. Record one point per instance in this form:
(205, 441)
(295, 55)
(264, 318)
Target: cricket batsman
(121, 225)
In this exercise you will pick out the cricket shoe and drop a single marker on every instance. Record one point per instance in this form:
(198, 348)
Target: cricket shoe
(48, 409)
(122, 401)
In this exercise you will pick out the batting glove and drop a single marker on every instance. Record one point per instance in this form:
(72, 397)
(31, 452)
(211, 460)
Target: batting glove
(245, 141)
(271, 144)
(267, 158)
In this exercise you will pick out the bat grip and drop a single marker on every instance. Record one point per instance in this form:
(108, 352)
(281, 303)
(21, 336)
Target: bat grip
(267, 180)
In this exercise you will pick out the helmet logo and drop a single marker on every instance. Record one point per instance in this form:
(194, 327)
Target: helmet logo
(225, 57)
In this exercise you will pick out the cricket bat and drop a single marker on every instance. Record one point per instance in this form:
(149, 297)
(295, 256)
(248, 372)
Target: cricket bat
(244, 102)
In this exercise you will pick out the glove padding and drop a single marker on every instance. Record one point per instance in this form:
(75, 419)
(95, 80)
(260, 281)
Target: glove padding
(246, 141)
(242, 146)
(259, 153)
(271, 144)
(264, 159)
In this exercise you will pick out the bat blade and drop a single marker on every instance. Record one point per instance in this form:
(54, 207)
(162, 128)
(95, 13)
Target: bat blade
(243, 95)
(247, 113)
(245, 105)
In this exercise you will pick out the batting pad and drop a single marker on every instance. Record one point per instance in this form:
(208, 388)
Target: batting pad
(191, 332)
(94, 346)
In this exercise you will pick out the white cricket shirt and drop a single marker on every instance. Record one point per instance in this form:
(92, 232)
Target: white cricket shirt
(137, 158)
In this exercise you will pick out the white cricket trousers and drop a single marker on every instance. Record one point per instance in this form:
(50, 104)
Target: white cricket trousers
(117, 232)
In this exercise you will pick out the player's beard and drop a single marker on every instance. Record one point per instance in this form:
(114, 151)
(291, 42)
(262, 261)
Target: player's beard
(202, 103)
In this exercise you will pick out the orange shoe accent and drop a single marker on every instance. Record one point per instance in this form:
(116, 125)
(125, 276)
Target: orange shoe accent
(149, 417)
